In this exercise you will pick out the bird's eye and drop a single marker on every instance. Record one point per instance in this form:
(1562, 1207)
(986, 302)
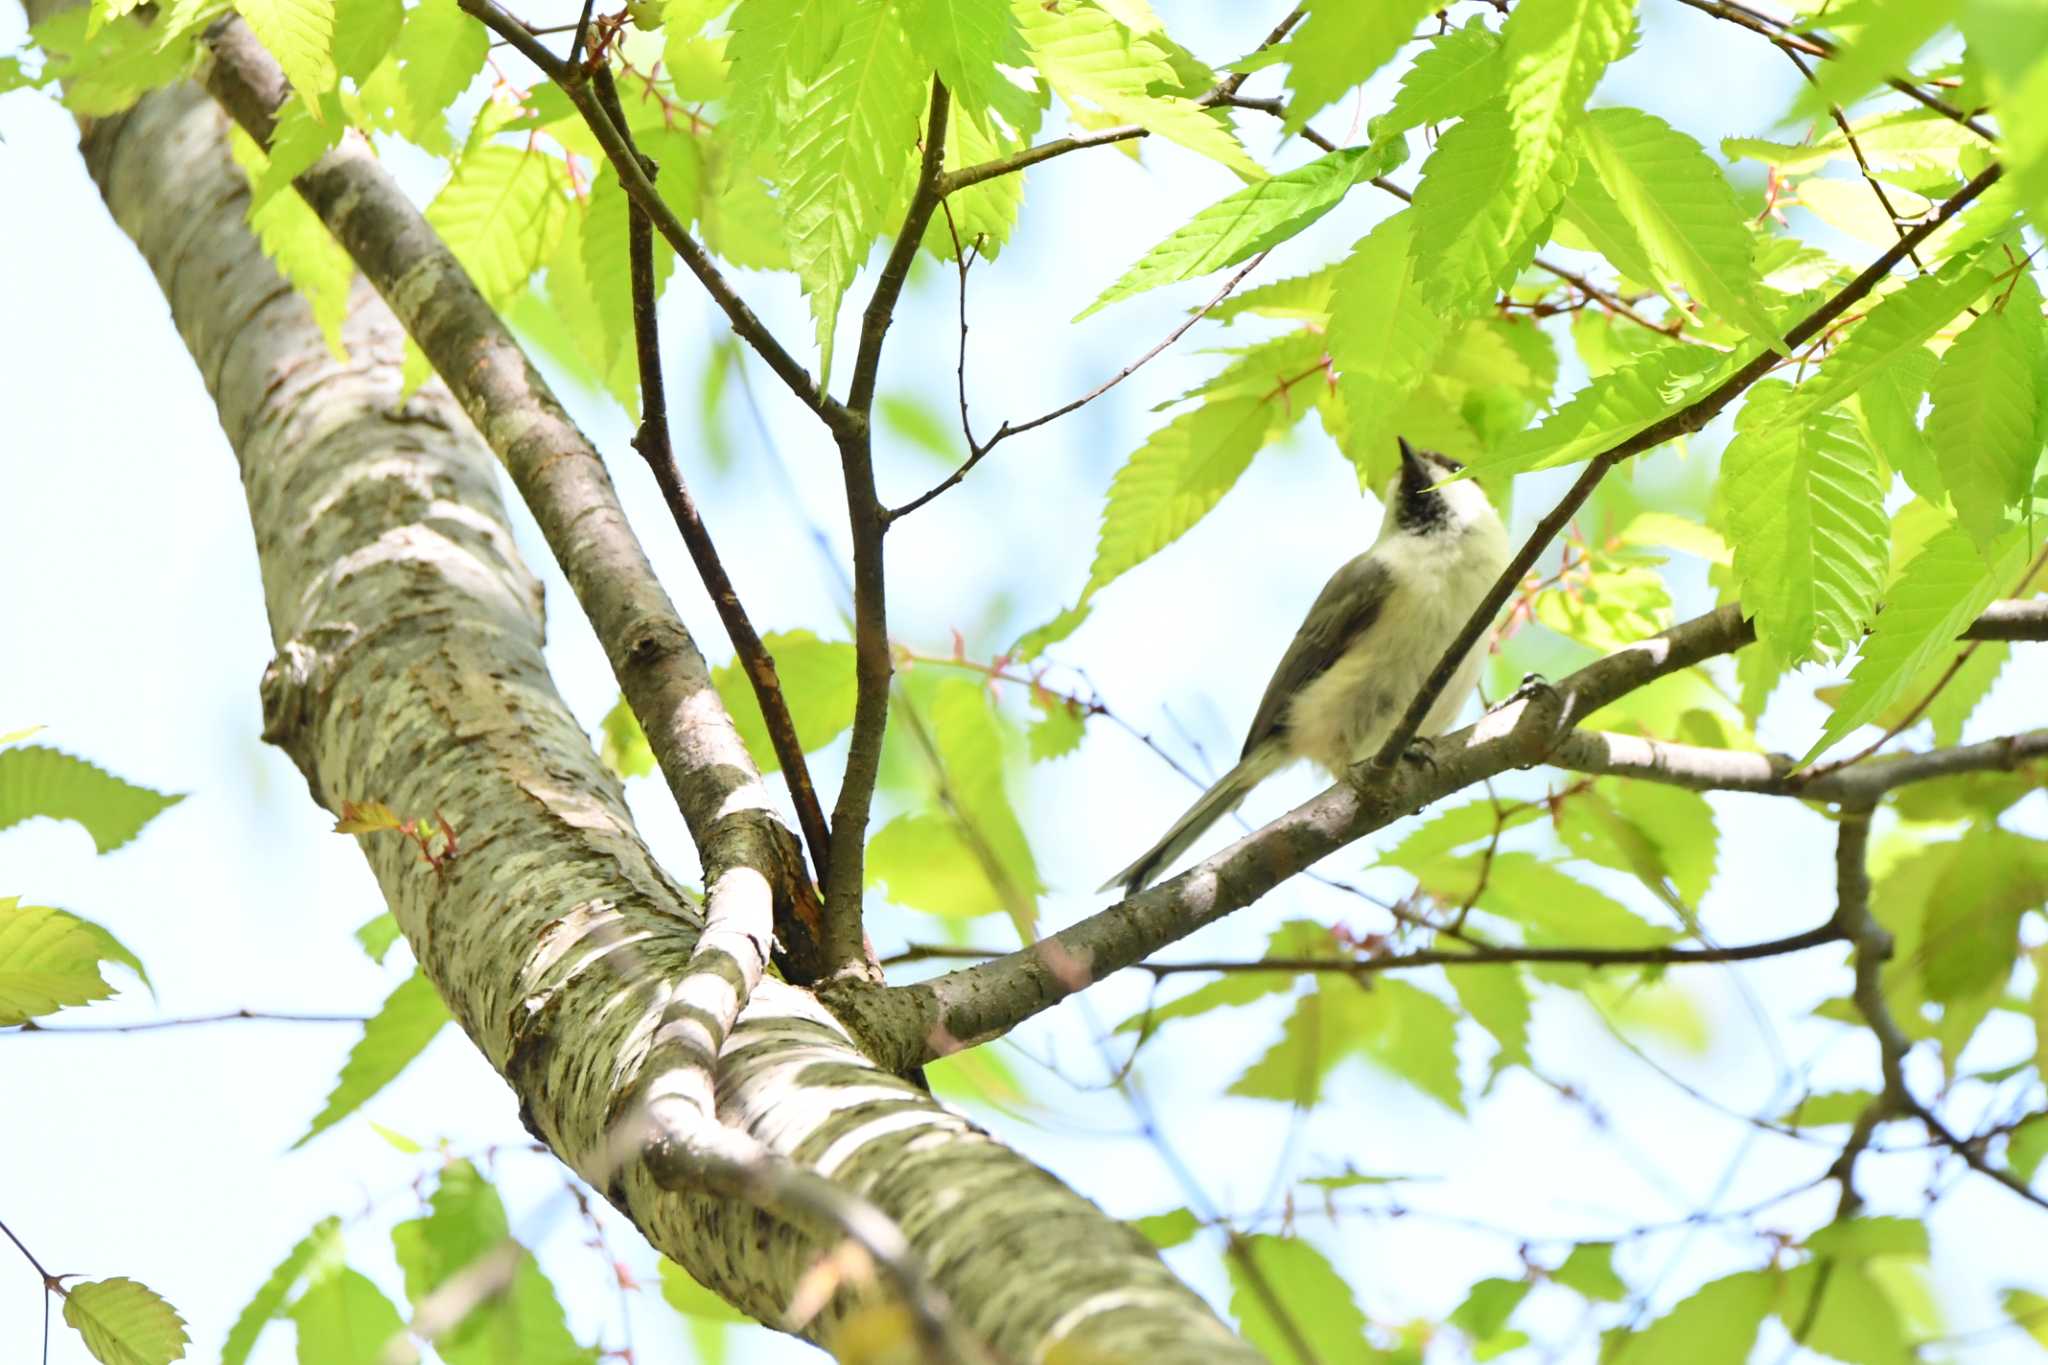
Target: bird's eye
(1455, 466)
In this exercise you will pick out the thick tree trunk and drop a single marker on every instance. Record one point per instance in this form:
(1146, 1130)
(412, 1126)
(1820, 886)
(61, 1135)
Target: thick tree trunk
(409, 672)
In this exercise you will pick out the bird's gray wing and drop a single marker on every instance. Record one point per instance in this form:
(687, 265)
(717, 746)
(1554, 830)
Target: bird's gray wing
(1347, 606)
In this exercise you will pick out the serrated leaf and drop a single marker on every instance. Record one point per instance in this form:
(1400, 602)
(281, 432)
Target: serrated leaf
(1888, 405)
(438, 53)
(1683, 212)
(1805, 509)
(1665, 836)
(1983, 426)
(293, 236)
(965, 41)
(1059, 729)
(1554, 52)
(1550, 904)
(1172, 481)
(1315, 1306)
(344, 1319)
(1463, 826)
(37, 780)
(777, 49)
(974, 743)
(1942, 590)
(125, 1323)
(1337, 45)
(316, 1255)
(908, 419)
(1384, 340)
(2028, 1311)
(1495, 997)
(398, 1032)
(1405, 1031)
(377, 935)
(1100, 67)
(923, 861)
(106, 72)
(48, 960)
(1458, 71)
(1846, 1315)
(817, 683)
(500, 214)
(300, 34)
(1970, 935)
(1256, 218)
(1299, 298)
(1615, 407)
(607, 264)
(1898, 326)
(364, 31)
(854, 132)
(1479, 216)
(1880, 40)
(982, 216)
(1165, 1230)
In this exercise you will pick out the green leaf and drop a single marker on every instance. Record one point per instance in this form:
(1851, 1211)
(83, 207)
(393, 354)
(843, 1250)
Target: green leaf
(1854, 1320)
(693, 1300)
(1231, 989)
(1665, 836)
(300, 34)
(1554, 52)
(1299, 298)
(1983, 426)
(1888, 404)
(317, 1255)
(910, 420)
(1257, 218)
(1458, 71)
(438, 53)
(607, 266)
(1550, 904)
(1495, 997)
(1314, 1301)
(2027, 1147)
(1718, 1323)
(125, 1323)
(500, 213)
(1102, 70)
(1462, 826)
(377, 935)
(1970, 684)
(344, 1319)
(1383, 339)
(983, 215)
(1589, 1271)
(1880, 39)
(35, 780)
(1943, 589)
(1059, 729)
(48, 960)
(1828, 1107)
(1806, 512)
(1479, 214)
(106, 72)
(1337, 45)
(293, 236)
(1860, 1239)
(1405, 1031)
(400, 1030)
(623, 744)
(2028, 1311)
(1683, 212)
(974, 744)
(854, 132)
(1614, 407)
(1891, 332)
(364, 31)
(1165, 1230)
(1487, 1307)
(924, 861)
(965, 40)
(817, 687)
(523, 1322)
(1971, 934)
(1172, 481)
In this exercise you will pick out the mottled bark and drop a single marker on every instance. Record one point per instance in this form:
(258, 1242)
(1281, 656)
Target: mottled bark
(409, 672)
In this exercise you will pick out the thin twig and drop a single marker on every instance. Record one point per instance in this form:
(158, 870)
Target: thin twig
(150, 1025)
(1856, 149)
(653, 442)
(1687, 419)
(976, 453)
(846, 946)
(1812, 44)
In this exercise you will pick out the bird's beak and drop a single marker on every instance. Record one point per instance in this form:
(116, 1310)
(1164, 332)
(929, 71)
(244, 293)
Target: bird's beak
(1412, 458)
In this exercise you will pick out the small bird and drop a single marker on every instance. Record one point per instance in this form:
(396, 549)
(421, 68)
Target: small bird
(1376, 630)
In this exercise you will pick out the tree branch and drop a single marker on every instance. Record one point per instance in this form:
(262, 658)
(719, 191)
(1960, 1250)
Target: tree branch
(1687, 419)
(653, 443)
(641, 191)
(928, 1019)
(1703, 769)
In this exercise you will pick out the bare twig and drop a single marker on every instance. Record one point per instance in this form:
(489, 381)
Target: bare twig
(976, 452)
(1856, 149)
(653, 443)
(845, 946)
(1812, 44)
(225, 1017)
(1688, 419)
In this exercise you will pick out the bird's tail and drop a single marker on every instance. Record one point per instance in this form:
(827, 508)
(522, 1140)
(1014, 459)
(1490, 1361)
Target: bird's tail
(1224, 797)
